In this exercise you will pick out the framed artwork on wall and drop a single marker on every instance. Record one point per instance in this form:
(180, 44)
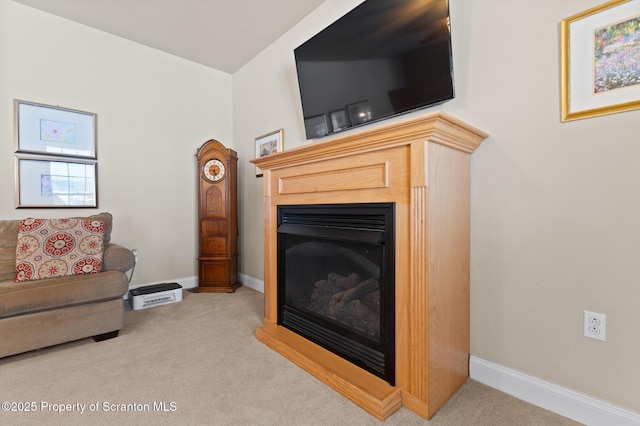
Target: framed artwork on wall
(52, 130)
(43, 182)
(600, 69)
(268, 144)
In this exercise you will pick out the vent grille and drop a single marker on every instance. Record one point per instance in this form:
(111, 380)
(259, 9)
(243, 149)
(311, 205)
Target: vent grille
(347, 221)
(367, 223)
(158, 300)
(366, 357)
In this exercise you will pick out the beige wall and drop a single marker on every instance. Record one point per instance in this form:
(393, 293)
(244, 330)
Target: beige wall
(266, 98)
(554, 205)
(154, 110)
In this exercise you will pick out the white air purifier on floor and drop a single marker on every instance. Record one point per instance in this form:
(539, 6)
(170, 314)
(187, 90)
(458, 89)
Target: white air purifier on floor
(155, 295)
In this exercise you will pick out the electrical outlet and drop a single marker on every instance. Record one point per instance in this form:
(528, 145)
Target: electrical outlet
(595, 325)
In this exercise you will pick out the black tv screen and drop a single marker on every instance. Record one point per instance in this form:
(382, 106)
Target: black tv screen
(383, 58)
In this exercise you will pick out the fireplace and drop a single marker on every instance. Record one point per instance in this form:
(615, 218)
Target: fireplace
(420, 166)
(336, 280)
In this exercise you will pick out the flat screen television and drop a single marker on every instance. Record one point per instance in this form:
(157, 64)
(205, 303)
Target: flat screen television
(382, 59)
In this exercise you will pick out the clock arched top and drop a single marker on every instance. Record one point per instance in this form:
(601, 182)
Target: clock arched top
(211, 147)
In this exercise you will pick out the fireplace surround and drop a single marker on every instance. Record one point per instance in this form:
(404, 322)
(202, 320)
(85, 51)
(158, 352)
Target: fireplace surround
(421, 166)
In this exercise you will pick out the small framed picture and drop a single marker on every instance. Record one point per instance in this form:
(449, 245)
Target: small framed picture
(51, 130)
(268, 144)
(600, 67)
(43, 182)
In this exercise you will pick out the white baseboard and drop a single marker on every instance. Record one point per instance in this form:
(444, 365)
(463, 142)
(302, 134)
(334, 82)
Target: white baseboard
(251, 282)
(566, 402)
(187, 282)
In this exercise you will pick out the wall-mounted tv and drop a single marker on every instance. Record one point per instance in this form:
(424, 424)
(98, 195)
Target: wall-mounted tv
(383, 58)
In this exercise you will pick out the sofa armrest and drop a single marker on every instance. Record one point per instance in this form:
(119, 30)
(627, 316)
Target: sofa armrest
(117, 258)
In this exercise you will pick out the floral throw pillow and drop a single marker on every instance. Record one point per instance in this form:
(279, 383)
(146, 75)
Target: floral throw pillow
(50, 248)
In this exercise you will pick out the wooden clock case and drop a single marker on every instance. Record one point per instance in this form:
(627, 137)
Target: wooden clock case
(217, 219)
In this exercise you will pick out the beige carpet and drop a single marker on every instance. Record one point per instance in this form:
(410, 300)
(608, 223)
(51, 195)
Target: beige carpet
(198, 362)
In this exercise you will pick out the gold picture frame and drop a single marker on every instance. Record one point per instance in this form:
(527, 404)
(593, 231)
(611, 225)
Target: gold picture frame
(268, 144)
(596, 45)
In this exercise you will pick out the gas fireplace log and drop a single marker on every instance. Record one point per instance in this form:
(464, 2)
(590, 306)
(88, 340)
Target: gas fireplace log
(373, 300)
(325, 289)
(335, 283)
(344, 282)
(357, 292)
(348, 300)
(361, 317)
(338, 301)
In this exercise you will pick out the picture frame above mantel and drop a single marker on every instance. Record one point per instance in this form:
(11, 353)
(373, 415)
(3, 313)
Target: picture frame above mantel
(599, 74)
(53, 130)
(267, 144)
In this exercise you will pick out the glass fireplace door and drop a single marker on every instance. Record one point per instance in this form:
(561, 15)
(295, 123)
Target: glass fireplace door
(336, 280)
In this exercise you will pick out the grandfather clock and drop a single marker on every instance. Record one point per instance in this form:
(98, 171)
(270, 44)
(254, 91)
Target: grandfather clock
(217, 218)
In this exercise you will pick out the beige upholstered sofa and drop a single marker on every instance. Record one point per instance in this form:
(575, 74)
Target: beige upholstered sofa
(45, 312)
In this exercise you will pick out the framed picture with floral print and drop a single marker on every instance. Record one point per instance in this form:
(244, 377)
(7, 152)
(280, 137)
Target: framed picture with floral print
(600, 60)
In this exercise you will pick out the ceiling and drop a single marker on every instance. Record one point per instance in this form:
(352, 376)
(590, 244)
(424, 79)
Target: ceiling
(221, 34)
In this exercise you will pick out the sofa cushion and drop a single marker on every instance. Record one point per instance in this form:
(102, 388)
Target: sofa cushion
(42, 295)
(48, 248)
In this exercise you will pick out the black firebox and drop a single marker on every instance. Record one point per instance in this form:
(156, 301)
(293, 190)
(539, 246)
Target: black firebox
(336, 280)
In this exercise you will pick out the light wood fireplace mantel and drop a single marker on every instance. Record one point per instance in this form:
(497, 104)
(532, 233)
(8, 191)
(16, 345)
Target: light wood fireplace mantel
(422, 165)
